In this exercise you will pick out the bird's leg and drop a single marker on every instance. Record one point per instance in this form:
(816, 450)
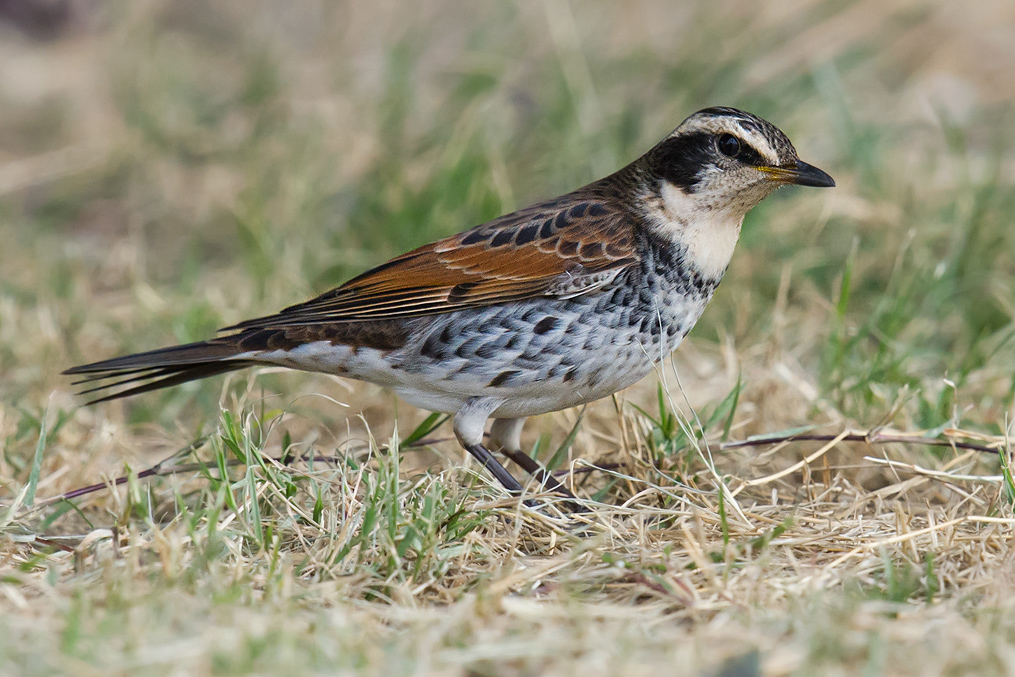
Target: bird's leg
(505, 437)
(486, 459)
(469, 423)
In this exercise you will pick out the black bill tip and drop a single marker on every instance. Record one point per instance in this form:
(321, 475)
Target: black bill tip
(809, 175)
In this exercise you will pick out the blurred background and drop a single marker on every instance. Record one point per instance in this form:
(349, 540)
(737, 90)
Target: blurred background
(167, 168)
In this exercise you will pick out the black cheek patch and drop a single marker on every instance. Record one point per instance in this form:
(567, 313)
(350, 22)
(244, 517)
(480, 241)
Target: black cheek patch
(681, 160)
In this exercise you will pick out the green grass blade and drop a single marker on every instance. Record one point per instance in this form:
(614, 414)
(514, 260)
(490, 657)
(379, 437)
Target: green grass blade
(558, 456)
(40, 447)
(431, 423)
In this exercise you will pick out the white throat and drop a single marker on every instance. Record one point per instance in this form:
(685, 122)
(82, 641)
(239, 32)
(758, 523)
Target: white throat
(710, 235)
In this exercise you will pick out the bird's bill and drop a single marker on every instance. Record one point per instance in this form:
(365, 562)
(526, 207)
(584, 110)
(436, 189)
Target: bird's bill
(802, 174)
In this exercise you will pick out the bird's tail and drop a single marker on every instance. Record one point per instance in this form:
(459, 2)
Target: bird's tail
(142, 372)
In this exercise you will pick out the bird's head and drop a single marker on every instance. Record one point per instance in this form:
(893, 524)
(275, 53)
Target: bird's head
(727, 160)
(698, 183)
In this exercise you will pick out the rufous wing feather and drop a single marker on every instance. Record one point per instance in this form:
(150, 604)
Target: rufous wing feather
(564, 247)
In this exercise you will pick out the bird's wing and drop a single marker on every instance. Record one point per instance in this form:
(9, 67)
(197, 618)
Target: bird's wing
(561, 248)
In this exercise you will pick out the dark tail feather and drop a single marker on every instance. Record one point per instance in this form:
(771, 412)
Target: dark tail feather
(162, 368)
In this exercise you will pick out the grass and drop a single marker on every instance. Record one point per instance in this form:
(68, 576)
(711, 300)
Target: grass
(170, 168)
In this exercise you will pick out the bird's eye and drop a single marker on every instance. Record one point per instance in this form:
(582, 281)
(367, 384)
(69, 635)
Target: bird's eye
(729, 145)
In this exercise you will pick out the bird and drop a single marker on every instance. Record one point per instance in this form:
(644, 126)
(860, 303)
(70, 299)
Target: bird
(553, 306)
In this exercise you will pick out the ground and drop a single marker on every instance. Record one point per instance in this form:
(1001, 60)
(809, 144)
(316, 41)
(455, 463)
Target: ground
(168, 168)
